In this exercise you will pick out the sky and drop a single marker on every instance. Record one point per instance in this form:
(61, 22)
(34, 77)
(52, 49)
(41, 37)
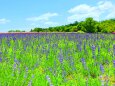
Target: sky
(28, 14)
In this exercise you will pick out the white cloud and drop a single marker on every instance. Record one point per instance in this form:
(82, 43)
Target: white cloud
(107, 5)
(44, 17)
(51, 23)
(4, 21)
(43, 20)
(44, 24)
(83, 11)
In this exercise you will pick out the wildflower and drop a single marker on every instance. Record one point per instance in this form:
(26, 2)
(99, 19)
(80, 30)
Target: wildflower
(93, 47)
(49, 80)
(26, 69)
(15, 60)
(101, 68)
(102, 83)
(114, 49)
(79, 47)
(15, 66)
(83, 63)
(83, 60)
(98, 50)
(64, 74)
(26, 74)
(114, 63)
(30, 83)
(33, 76)
(14, 38)
(93, 50)
(0, 59)
(60, 57)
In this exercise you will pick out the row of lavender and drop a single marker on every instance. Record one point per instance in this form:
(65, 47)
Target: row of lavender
(57, 59)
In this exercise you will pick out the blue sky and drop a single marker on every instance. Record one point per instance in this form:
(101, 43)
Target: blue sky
(27, 14)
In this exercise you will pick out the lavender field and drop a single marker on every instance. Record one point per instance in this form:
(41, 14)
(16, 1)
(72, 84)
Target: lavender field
(57, 59)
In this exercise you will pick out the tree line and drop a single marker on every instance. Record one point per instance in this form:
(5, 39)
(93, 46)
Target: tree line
(89, 25)
(16, 31)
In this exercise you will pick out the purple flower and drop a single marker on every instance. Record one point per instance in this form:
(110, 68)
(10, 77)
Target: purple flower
(93, 47)
(79, 47)
(14, 38)
(15, 66)
(98, 49)
(26, 69)
(0, 59)
(101, 68)
(93, 50)
(114, 63)
(83, 60)
(60, 57)
(83, 63)
(114, 49)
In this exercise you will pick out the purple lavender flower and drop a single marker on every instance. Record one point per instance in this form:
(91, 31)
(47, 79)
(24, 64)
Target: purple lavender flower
(15, 66)
(60, 57)
(101, 68)
(26, 69)
(14, 38)
(79, 47)
(15, 60)
(93, 50)
(83, 60)
(109, 49)
(0, 59)
(114, 49)
(98, 50)
(83, 63)
(30, 83)
(26, 74)
(114, 63)
(93, 47)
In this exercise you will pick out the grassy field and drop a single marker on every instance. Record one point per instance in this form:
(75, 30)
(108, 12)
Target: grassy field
(57, 59)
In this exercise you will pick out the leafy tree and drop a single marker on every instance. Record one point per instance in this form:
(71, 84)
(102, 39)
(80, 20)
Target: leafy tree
(37, 30)
(89, 24)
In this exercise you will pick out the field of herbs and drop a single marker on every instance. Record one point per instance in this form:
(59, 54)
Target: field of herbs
(57, 59)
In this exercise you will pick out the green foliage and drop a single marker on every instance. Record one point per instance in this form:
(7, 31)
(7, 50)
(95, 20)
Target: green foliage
(36, 30)
(89, 25)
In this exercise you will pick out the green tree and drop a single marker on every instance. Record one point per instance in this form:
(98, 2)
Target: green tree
(37, 29)
(89, 24)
